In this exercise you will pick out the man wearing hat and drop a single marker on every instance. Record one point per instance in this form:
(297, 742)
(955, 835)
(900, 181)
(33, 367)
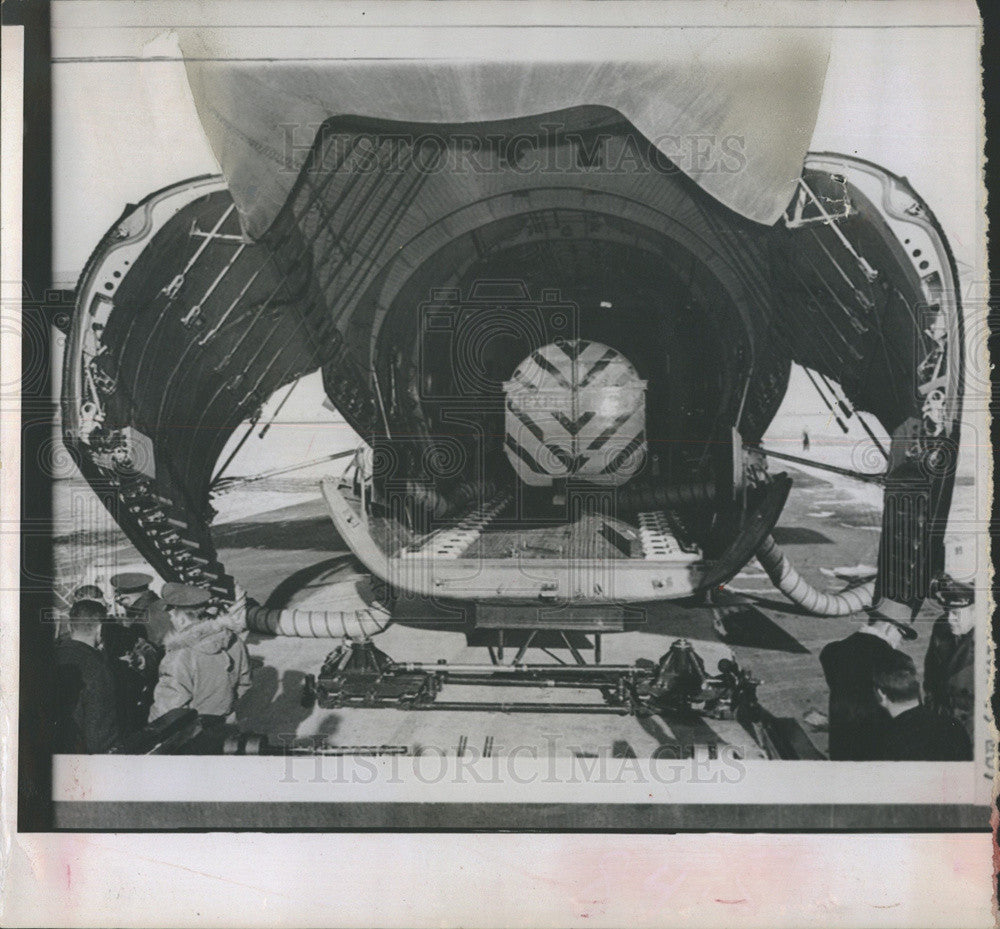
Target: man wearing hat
(138, 605)
(857, 722)
(949, 668)
(130, 646)
(206, 666)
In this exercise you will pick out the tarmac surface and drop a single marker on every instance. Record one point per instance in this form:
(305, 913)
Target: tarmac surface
(273, 538)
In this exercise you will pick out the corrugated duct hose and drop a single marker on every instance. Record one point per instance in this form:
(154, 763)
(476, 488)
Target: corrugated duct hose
(784, 576)
(360, 617)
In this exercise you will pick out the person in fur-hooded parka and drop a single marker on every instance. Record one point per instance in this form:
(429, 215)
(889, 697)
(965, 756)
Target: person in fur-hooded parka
(205, 667)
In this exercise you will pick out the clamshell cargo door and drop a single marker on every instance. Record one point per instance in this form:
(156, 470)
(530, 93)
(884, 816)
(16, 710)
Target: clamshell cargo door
(861, 258)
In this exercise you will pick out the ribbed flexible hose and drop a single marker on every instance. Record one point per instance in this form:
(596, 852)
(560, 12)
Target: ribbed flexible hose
(318, 624)
(360, 620)
(784, 576)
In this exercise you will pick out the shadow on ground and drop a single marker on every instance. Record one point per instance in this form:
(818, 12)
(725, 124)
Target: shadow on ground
(274, 702)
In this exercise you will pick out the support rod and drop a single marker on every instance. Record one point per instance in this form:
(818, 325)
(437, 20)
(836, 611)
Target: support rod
(846, 472)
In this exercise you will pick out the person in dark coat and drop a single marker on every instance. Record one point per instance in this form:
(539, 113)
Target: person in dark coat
(915, 731)
(949, 667)
(131, 646)
(857, 723)
(86, 709)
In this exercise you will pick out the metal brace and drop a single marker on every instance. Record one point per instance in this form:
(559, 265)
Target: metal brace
(799, 219)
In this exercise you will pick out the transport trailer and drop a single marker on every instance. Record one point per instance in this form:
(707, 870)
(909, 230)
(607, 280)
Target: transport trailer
(678, 690)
